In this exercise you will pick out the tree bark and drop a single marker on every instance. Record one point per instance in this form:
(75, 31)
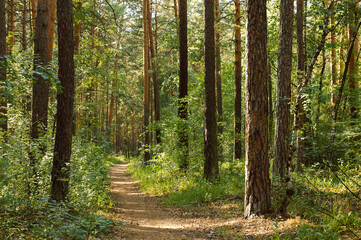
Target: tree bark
(183, 85)
(218, 68)
(51, 27)
(39, 121)
(33, 6)
(210, 130)
(258, 185)
(238, 84)
(146, 82)
(11, 26)
(299, 111)
(64, 120)
(282, 129)
(3, 68)
(23, 23)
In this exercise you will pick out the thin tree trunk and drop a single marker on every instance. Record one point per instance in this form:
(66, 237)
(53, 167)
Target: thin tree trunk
(51, 27)
(63, 139)
(210, 131)
(258, 184)
(238, 84)
(3, 68)
(320, 91)
(218, 70)
(183, 85)
(154, 68)
(41, 85)
(11, 26)
(270, 105)
(334, 76)
(282, 129)
(299, 111)
(146, 82)
(23, 23)
(33, 6)
(342, 85)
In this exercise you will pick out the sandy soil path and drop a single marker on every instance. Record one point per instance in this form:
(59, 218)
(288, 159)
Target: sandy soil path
(145, 218)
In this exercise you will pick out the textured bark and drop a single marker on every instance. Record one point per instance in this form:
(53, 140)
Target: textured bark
(39, 120)
(33, 6)
(210, 130)
(218, 68)
(154, 68)
(146, 82)
(3, 102)
(258, 185)
(299, 111)
(64, 120)
(23, 23)
(238, 84)
(282, 129)
(51, 27)
(183, 84)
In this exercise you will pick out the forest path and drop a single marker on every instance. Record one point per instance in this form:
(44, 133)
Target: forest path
(145, 218)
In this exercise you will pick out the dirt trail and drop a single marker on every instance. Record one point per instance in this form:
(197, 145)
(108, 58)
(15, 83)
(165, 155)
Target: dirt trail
(145, 218)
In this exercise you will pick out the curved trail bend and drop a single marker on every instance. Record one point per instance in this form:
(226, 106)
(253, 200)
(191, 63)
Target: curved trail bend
(145, 218)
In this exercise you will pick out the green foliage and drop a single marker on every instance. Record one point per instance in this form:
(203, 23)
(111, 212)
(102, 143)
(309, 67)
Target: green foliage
(163, 177)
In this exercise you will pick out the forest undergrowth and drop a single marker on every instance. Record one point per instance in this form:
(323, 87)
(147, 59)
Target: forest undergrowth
(326, 203)
(25, 209)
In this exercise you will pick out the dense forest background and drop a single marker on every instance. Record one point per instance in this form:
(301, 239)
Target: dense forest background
(168, 85)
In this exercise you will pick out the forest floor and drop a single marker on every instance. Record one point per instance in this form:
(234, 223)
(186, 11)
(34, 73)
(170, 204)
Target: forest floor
(145, 217)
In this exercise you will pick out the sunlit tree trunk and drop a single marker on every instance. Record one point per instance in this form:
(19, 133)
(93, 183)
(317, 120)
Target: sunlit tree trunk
(238, 84)
(51, 27)
(282, 129)
(33, 6)
(258, 185)
(3, 68)
(210, 128)
(146, 82)
(63, 138)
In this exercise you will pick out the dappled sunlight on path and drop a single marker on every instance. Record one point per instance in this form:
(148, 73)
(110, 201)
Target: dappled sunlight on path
(145, 218)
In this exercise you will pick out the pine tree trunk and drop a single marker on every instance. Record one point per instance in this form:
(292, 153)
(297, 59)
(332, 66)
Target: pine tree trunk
(210, 130)
(282, 129)
(63, 138)
(3, 68)
(218, 68)
(51, 27)
(299, 111)
(183, 85)
(39, 121)
(238, 84)
(258, 185)
(334, 75)
(11, 26)
(23, 23)
(146, 82)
